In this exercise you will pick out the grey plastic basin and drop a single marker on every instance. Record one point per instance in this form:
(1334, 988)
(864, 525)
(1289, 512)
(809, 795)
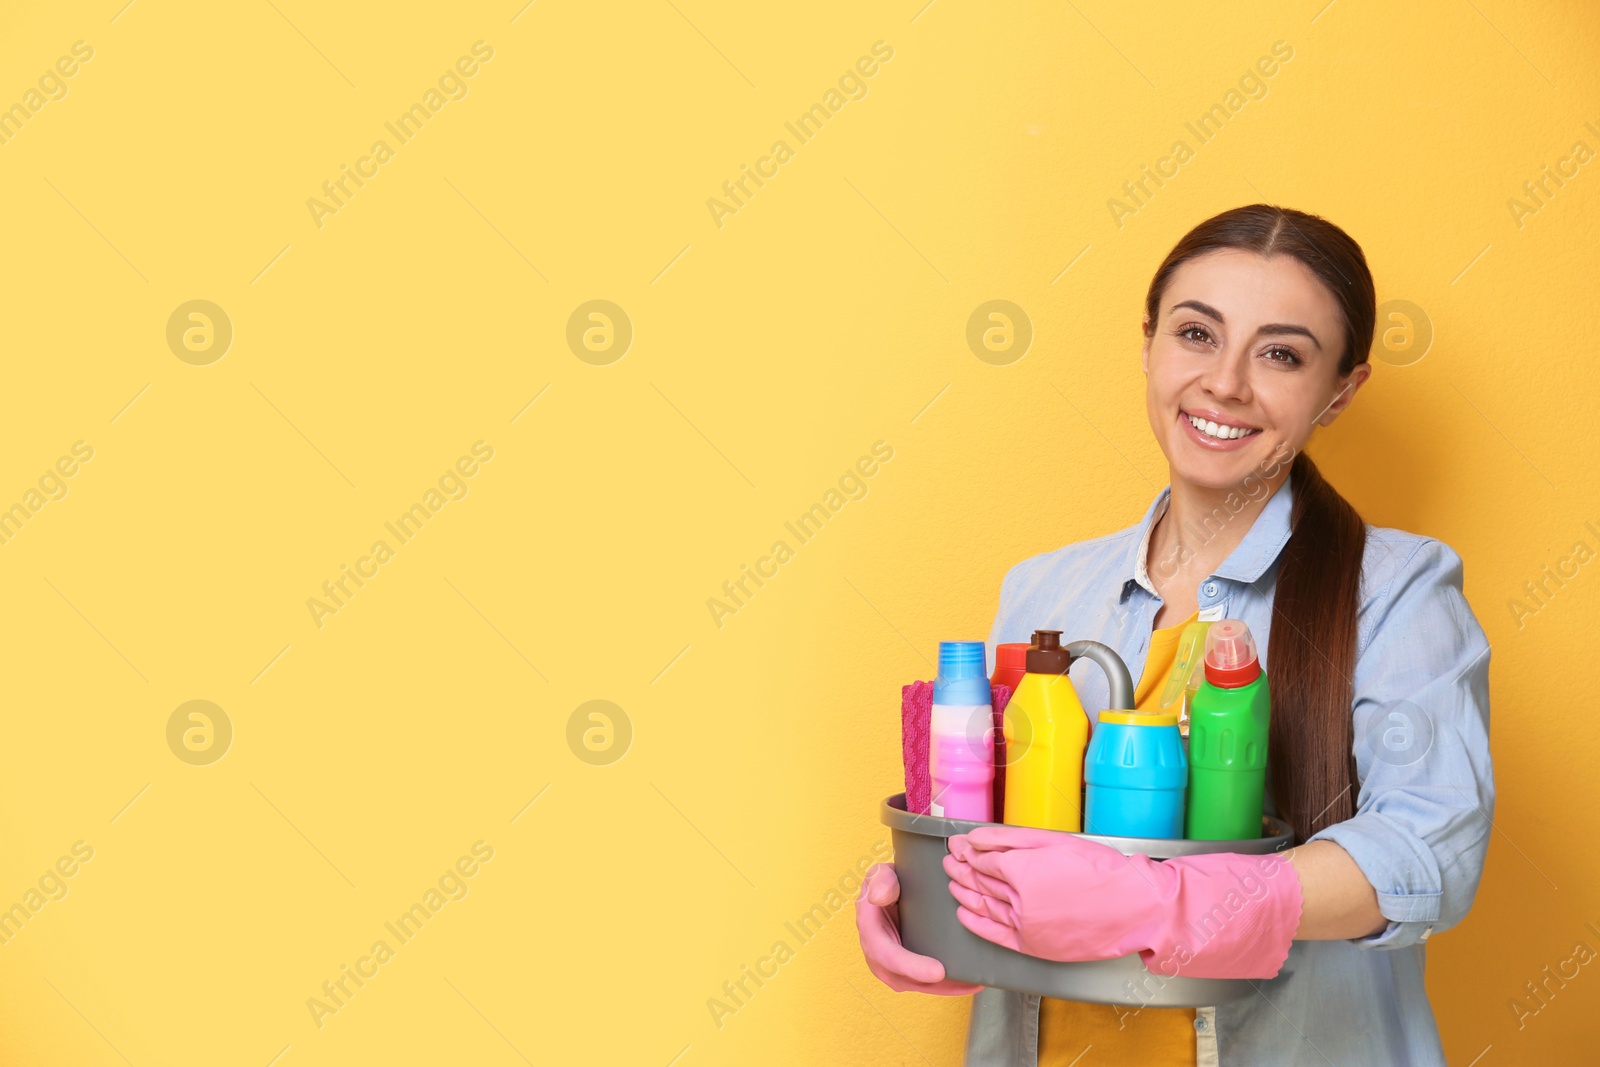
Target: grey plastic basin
(929, 927)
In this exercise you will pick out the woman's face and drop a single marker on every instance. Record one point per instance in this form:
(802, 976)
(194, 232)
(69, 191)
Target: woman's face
(1247, 346)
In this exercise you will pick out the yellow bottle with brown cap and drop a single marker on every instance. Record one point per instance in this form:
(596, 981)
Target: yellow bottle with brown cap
(1046, 733)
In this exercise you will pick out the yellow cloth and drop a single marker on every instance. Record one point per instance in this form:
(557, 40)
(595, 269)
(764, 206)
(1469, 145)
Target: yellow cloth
(1113, 1034)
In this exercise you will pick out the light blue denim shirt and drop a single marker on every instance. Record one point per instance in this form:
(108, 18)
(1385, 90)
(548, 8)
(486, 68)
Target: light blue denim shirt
(1422, 821)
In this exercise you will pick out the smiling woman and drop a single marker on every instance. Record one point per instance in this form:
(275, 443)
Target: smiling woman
(1222, 399)
(1256, 332)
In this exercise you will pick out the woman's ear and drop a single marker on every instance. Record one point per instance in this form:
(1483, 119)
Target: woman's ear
(1144, 353)
(1346, 393)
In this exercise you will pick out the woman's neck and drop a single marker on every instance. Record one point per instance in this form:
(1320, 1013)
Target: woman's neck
(1201, 528)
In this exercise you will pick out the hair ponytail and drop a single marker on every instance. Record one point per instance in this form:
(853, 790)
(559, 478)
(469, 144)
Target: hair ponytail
(1313, 656)
(1312, 648)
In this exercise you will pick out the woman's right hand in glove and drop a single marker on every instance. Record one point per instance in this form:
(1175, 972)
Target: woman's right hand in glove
(878, 924)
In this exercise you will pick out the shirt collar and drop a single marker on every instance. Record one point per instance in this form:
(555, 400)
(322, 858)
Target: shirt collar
(1249, 560)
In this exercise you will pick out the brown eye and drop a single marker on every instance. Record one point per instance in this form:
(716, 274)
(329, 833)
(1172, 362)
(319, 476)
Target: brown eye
(1285, 356)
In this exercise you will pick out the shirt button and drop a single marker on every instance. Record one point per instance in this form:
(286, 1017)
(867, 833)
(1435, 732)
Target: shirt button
(1210, 589)
(1200, 1023)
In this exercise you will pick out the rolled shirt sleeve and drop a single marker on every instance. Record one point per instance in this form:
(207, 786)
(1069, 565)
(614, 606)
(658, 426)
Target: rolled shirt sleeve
(1421, 726)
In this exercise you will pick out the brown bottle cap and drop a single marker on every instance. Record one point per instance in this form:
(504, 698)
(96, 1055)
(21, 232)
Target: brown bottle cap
(1046, 656)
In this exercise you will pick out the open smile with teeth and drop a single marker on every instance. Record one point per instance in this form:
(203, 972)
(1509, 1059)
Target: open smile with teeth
(1219, 431)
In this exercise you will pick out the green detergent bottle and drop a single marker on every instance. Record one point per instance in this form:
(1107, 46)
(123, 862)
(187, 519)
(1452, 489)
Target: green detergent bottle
(1228, 718)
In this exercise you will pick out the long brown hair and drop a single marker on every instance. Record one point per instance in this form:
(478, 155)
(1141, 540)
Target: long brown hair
(1312, 647)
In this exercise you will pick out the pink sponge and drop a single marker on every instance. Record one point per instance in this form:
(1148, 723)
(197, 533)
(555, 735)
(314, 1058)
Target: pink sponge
(916, 715)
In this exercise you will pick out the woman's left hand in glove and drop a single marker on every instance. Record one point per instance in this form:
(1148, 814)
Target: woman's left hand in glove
(1063, 897)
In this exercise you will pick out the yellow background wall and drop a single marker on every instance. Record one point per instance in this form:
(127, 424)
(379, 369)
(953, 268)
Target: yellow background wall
(373, 346)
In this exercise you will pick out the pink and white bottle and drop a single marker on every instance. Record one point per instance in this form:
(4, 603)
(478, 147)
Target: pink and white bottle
(961, 745)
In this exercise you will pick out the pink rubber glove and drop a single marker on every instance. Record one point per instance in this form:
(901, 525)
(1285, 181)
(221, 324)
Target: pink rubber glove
(878, 923)
(1062, 897)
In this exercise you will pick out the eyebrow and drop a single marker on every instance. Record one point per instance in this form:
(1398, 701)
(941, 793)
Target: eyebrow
(1269, 328)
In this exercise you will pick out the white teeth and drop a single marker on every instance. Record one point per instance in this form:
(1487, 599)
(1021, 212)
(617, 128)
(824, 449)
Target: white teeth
(1221, 433)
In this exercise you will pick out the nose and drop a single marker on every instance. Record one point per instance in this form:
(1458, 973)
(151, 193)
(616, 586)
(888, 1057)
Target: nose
(1227, 377)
